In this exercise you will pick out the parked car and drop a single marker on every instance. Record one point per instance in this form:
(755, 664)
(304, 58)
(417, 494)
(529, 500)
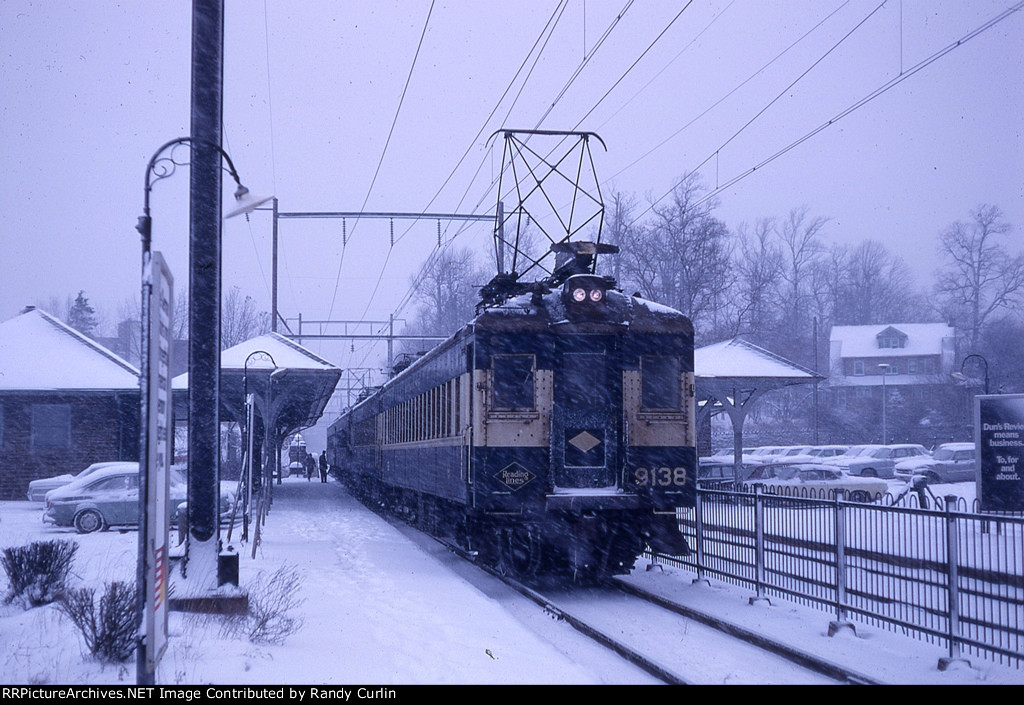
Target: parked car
(717, 472)
(807, 454)
(822, 452)
(876, 461)
(110, 497)
(816, 480)
(951, 462)
(37, 489)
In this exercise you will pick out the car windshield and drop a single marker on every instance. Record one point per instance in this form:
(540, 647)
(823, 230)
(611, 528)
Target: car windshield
(943, 454)
(881, 453)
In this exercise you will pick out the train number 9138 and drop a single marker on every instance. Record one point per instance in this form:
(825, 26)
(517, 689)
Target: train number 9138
(660, 477)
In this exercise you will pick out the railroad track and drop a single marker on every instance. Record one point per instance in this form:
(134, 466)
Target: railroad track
(648, 642)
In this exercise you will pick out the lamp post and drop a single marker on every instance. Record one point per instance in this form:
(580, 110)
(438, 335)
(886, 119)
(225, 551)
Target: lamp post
(984, 363)
(885, 372)
(203, 494)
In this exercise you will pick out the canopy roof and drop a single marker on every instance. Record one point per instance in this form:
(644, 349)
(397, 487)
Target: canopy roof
(298, 391)
(740, 361)
(735, 373)
(40, 352)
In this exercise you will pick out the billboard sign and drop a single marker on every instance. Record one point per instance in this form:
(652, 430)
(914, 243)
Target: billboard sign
(999, 438)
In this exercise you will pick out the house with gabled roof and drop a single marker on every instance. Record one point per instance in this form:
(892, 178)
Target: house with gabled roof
(909, 364)
(65, 402)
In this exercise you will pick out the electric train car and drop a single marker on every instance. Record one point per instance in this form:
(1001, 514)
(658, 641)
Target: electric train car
(553, 434)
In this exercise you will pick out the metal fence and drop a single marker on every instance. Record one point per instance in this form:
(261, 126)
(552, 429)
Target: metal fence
(931, 569)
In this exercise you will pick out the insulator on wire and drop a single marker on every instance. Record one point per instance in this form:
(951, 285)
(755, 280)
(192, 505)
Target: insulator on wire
(344, 234)
(392, 232)
(439, 234)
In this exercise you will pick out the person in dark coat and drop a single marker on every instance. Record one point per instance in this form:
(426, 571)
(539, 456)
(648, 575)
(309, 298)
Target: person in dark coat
(323, 466)
(310, 466)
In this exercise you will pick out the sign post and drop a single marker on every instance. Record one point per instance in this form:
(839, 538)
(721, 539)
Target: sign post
(154, 465)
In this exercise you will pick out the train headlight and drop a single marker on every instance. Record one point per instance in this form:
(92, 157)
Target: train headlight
(584, 293)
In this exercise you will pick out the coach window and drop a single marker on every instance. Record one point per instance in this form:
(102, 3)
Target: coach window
(661, 382)
(513, 381)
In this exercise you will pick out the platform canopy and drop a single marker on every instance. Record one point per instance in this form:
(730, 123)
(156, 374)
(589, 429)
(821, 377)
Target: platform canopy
(296, 382)
(733, 374)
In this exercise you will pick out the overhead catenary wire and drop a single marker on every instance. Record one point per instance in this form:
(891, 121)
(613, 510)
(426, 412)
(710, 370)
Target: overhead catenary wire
(380, 162)
(884, 88)
(727, 95)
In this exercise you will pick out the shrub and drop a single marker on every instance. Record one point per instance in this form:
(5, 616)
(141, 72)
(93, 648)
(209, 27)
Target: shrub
(110, 631)
(38, 572)
(271, 599)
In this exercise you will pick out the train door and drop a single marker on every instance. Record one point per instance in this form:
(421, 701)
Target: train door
(584, 438)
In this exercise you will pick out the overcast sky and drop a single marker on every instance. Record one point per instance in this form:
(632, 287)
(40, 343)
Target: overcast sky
(312, 89)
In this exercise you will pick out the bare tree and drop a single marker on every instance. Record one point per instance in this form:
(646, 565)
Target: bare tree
(446, 288)
(758, 267)
(240, 319)
(681, 258)
(979, 277)
(618, 230)
(876, 287)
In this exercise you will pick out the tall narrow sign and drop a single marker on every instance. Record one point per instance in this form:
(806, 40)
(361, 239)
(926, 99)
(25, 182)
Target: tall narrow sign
(999, 436)
(155, 462)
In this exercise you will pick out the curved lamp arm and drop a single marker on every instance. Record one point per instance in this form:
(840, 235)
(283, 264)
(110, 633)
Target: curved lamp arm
(162, 166)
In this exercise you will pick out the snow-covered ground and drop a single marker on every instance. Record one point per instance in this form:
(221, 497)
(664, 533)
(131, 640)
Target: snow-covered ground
(380, 606)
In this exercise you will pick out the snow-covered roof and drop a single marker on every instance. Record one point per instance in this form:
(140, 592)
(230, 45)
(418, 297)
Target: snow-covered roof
(284, 352)
(39, 352)
(737, 358)
(862, 341)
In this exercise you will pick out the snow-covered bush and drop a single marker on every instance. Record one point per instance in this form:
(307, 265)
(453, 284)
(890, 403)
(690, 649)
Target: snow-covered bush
(271, 601)
(38, 572)
(109, 631)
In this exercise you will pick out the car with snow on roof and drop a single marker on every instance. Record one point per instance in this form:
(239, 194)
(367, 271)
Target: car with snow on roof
(876, 460)
(816, 480)
(109, 497)
(951, 462)
(37, 489)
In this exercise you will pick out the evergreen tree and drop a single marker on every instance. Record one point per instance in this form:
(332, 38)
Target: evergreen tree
(82, 316)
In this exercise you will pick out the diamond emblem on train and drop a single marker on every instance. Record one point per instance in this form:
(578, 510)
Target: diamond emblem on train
(585, 441)
(514, 476)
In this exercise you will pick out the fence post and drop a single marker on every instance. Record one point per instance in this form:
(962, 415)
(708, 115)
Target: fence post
(840, 622)
(698, 537)
(953, 584)
(759, 567)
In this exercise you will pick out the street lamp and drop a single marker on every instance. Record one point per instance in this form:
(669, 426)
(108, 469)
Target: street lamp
(163, 165)
(884, 367)
(964, 378)
(204, 359)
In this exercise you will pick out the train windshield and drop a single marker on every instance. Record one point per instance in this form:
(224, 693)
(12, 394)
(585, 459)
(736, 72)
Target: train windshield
(513, 381)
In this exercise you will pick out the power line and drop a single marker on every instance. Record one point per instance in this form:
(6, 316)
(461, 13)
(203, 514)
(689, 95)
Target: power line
(387, 142)
(766, 107)
(727, 95)
(884, 88)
